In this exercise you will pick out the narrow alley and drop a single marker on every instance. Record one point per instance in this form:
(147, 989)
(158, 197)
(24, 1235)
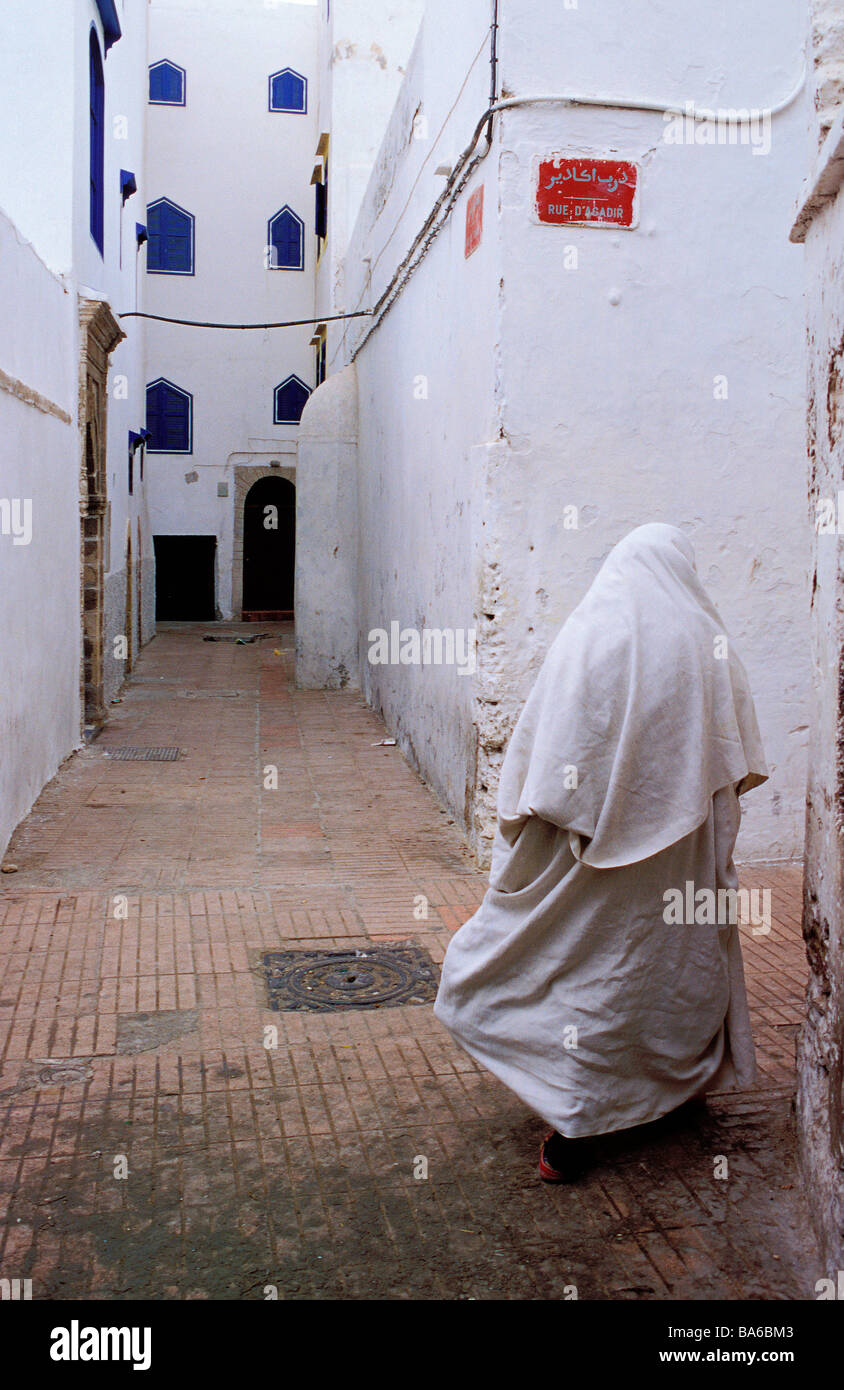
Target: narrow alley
(156, 1144)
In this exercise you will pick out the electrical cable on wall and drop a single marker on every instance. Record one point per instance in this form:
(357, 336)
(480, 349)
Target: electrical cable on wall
(288, 323)
(461, 173)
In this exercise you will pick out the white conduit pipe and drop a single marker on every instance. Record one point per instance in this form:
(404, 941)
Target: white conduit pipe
(461, 173)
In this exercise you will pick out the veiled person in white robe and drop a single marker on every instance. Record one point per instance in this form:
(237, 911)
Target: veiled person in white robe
(620, 784)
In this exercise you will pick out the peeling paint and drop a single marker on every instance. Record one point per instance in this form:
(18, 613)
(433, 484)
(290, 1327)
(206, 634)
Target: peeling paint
(820, 1060)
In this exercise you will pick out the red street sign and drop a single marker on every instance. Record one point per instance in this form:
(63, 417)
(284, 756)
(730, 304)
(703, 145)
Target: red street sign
(474, 220)
(578, 191)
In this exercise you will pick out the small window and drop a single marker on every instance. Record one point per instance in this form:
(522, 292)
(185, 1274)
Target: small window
(166, 84)
(169, 418)
(289, 401)
(321, 211)
(288, 91)
(286, 241)
(97, 139)
(170, 239)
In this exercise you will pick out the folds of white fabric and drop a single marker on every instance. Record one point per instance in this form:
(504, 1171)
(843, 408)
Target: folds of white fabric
(571, 987)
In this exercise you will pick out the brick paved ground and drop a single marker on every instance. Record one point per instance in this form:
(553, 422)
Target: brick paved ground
(294, 1167)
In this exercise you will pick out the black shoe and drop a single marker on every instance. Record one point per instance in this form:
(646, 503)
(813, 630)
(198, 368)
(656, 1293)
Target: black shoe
(561, 1159)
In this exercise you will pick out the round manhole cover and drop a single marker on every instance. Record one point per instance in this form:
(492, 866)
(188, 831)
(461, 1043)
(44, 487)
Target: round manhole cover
(63, 1073)
(322, 980)
(358, 979)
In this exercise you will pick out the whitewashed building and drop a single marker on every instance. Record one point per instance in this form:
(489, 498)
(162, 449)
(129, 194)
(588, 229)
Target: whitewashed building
(528, 389)
(76, 574)
(281, 101)
(231, 132)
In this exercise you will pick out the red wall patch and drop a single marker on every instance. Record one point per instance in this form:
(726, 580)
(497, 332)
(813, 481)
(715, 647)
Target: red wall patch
(474, 220)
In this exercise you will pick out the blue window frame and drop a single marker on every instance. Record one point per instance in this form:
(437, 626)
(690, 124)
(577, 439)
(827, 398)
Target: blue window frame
(171, 238)
(167, 84)
(288, 92)
(97, 139)
(289, 399)
(169, 418)
(286, 240)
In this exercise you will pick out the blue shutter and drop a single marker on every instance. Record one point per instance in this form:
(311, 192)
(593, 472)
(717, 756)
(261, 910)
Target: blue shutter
(169, 419)
(290, 400)
(170, 232)
(167, 84)
(97, 140)
(286, 239)
(287, 92)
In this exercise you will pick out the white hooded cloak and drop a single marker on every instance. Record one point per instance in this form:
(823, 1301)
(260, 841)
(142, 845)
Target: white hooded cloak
(573, 982)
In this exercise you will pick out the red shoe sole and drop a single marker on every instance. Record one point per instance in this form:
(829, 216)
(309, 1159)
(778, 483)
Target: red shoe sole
(549, 1174)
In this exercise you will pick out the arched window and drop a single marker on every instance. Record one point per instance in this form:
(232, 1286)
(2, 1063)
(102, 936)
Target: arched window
(170, 239)
(97, 138)
(286, 234)
(166, 84)
(169, 418)
(288, 91)
(289, 401)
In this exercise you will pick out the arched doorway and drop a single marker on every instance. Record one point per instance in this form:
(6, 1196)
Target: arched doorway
(269, 549)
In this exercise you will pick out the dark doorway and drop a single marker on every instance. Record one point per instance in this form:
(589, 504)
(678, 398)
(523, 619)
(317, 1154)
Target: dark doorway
(184, 578)
(269, 549)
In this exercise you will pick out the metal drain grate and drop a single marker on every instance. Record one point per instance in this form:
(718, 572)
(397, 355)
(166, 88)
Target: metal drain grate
(325, 981)
(128, 754)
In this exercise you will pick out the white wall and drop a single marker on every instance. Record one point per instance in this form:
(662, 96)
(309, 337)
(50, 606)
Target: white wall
(37, 85)
(593, 387)
(364, 50)
(425, 389)
(44, 190)
(609, 371)
(327, 550)
(233, 164)
(39, 581)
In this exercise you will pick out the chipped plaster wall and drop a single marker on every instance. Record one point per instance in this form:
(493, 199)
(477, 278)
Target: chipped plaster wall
(827, 51)
(820, 1059)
